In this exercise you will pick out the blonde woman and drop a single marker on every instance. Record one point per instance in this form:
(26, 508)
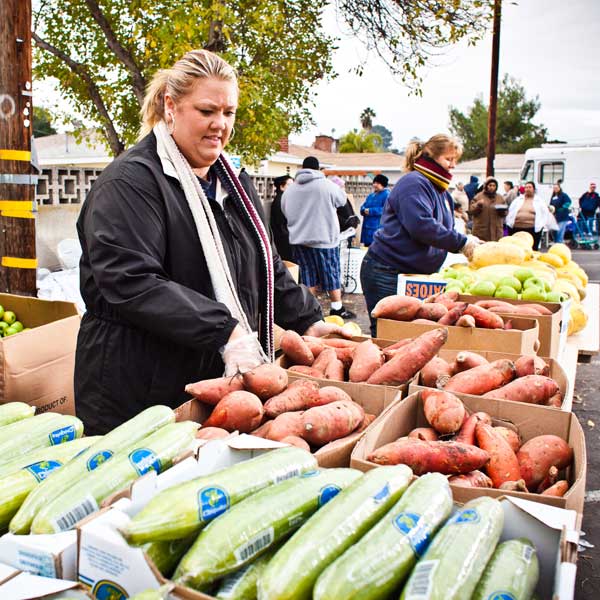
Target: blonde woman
(417, 226)
(177, 272)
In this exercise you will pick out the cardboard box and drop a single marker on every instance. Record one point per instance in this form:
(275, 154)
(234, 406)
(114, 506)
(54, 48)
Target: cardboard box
(37, 366)
(556, 371)
(521, 339)
(16, 585)
(530, 421)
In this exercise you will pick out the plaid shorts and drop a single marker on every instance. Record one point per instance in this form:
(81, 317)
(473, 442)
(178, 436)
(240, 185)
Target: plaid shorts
(319, 267)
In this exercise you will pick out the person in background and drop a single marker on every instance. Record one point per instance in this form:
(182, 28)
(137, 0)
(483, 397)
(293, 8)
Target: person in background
(560, 205)
(510, 192)
(347, 218)
(487, 210)
(417, 226)
(278, 221)
(310, 206)
(372, 208)
(589, 203)
(528, 212)
(461, 200)
(472, 187)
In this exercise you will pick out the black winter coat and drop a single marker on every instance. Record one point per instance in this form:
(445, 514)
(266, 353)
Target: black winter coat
(152, 323)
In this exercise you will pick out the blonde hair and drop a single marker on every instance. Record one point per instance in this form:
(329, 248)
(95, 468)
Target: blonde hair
(178, 81)
(432, 148)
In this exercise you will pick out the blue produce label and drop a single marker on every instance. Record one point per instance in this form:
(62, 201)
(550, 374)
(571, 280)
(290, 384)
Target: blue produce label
(311, 473)
(327, 493)
(382, 495)
(501, 596)
(62, 435)
(98, 459)
(144, 460)
(212, 502)
(416, 530)
(40, 470)
(107, 590)
(466, 515)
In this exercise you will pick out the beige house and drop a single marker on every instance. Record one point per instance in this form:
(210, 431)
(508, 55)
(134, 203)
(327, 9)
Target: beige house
(507, 167)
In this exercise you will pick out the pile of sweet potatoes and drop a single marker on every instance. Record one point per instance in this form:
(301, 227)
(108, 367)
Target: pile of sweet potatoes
(361, 362)
(476, 452)
(446, 309)
(524, 380)
(263, 402)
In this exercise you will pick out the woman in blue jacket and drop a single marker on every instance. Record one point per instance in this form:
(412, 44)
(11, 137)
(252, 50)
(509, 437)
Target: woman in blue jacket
(372, 209)
(561, 205)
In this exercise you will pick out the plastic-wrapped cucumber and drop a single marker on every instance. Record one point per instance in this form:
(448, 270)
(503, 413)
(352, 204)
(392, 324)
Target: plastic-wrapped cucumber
(512, 572)
(95, 456)
(162, 593)
(185, 508)
(16, 486)
(47, 429)
(154, 453)
(166, 554)
(11, 412)
(377, 564)
(251, 527)
(455, 560)
(292, 572)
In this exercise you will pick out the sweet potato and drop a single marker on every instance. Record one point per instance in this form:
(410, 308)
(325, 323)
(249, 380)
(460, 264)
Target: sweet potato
(351, 438)
(482, 379)
(542, 310)
(531, 365)
(299, 395)
(466, 360)
(315, 347)
(414, 356)
(537, 455)
(514, 486)
(424, 322)
(210, 391)
(263, 430)
(484, 318)
(211, 433)
(294, 440)
(345, 355)
(422, 457)
(284, 425)
(367, 359)
(453, 314)
(433, 369)
(399, 344)
(324, 424)
(335, 370)
(521, 311)
(295, 348)
(397, 307)
(304, 370)
(511, 436)
(555, 401)
(549, 480)
(508, 325)
(503, 465)
(330, 393)
(340, 343)
(466, 434)
(443, 411)
(492, 303)
(394, 349)
(532, 389)
(427, 434)
(466, 321)
(240, 410)
(476, 479)
(322, 361)
(446, 298)
(433, 311)
(266, 381)
(558, 490)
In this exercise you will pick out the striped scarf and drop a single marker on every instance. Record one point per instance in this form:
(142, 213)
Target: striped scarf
(436, 174)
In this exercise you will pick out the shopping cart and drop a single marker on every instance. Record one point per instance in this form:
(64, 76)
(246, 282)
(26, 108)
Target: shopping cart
(350, 260)
(585, 233)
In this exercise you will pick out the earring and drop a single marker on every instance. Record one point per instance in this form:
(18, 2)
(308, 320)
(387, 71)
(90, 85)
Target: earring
(171, 125)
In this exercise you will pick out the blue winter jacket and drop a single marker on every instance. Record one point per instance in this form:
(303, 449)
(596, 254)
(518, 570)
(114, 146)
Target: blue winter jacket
(562, 206)
(371, 223)
(417, 227)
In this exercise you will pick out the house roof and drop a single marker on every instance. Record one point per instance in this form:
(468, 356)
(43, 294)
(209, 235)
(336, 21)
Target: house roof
(63, 148)
(502, 162)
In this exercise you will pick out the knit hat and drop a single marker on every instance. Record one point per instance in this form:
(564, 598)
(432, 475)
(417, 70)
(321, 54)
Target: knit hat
(311, 162)
(382, 179)
(490, 180)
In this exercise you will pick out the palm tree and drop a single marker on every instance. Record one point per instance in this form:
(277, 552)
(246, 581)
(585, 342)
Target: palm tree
(366, 118)
(360, 141)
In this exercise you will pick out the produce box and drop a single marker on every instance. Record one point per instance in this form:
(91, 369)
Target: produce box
(531, 421)
(16, 585)
(556, 371)
(521, 339)
(37, 366)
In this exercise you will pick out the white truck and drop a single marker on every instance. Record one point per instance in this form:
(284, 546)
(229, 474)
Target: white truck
(576, 165)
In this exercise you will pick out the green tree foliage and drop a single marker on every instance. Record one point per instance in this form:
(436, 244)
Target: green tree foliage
(515, 131)
(386, 136)
(360, 141)
(42, 122)
(366, 118)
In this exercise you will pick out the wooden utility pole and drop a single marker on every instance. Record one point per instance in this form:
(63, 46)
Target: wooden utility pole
(491, 146)
(18, 262)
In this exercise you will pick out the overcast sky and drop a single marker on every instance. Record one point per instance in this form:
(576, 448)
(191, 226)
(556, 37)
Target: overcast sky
(551, 46)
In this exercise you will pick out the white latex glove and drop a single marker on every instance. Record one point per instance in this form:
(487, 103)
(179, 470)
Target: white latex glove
(242, 354)
(472, 243)
(552, 209)
(321, 328)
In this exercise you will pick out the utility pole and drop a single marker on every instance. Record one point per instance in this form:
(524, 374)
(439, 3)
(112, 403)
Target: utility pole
(491, 146)
(18, 263)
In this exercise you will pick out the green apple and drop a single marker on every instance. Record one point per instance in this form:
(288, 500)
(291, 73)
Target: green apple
(3, 327)
(10, 331)
(17, 325)
(9, 317)
(523, 274)
(537, 282)
(482, 288)
(1, 311)
(449, 273)
(466, 278)
(533, 293)
(456, 285)
(555, 297)
(510, 281)
(506, 291)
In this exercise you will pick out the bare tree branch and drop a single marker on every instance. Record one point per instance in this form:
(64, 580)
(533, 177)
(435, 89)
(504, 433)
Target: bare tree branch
(116, 145)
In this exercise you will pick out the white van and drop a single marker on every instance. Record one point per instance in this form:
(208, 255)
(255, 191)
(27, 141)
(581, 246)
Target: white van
(577, 166)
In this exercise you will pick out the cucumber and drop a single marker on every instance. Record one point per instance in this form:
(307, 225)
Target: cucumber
(185, 508)
(512, 572)
(292, 572)
(455, 560)
(12, 412)
(379, 562)
(166, 554)
(154, 453)
(47, 429)
(16, 486)
(95, 456)
(249, 528)
(162, 593)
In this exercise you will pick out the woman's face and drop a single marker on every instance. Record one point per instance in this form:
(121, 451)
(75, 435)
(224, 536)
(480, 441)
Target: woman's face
(204, 119)
(529, 190)
(447, 159)
(491, 187)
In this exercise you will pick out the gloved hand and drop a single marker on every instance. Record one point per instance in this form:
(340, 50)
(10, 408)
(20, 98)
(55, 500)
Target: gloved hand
(242, 354)
(321, 328)
(469, 247)
(552, 209)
